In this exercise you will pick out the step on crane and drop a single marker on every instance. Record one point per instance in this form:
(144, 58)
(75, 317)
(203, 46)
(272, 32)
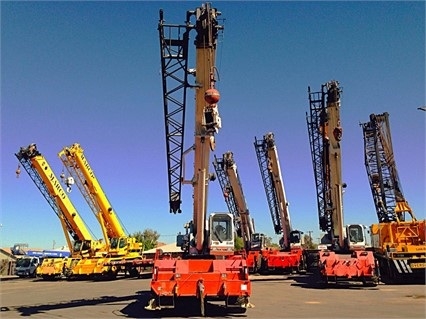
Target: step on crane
(290, 256)
(345, 256)
(124, 254)
(398, 239)
(229, 180)
(208, 268)
(76, 233)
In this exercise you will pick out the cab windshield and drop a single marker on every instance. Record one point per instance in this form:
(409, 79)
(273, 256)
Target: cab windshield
(356, 234)
(23, 262)
(221, 230)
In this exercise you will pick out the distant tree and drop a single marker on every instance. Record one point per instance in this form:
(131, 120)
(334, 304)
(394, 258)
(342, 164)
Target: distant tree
(238, 243)
(148, 238)
(269, 243)
(308, 243)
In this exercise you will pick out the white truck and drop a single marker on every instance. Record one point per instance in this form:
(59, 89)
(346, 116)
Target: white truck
(26, 266)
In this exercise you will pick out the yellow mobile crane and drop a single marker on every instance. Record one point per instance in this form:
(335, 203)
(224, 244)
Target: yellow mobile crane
(398, 239)
(208, 269)
(77, 235)
(123, 252)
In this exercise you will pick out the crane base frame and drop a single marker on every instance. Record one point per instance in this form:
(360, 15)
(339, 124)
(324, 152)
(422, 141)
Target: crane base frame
(206, 279)
(360, 266)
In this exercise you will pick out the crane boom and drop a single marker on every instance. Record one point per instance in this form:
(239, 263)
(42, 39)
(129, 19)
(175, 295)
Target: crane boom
(39, 170)
(325, 134)
(208, 267)
(384, 181)
(343, 254)
(207, 120)
(273, 183)
(290, 256)
(174, 65)
(398, 244)
(229, 179)
(78, 167)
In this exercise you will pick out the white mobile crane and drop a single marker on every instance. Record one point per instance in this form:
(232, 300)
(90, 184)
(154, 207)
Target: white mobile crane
(398, 239)
(76, 234)
(208, 269)
(345, 256)
(123, 252)
(229, 179)
(291, 256)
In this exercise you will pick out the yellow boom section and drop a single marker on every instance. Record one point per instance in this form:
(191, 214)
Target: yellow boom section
(74, 159)
(51, 181)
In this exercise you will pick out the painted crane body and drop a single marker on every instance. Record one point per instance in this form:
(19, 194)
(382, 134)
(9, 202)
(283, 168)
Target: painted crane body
(76, 233)
(290, 257)
(398, 239)
(345, 256)
(123, 253)
(208, 269)
(229, 179)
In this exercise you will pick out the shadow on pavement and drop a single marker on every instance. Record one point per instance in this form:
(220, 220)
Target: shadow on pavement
(135, 308)
(187, 309)
(44, 308)
(313, 281)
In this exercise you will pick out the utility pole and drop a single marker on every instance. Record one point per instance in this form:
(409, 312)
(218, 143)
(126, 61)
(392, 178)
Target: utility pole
(310, 235)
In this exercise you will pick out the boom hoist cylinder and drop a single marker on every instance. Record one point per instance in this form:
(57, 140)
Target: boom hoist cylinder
(345, 256)
(209, 269)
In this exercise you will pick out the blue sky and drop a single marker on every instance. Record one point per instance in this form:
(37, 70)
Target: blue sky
(89, 72)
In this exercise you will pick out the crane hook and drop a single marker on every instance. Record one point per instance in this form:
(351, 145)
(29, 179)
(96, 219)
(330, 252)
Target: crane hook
(69, 182)
(18, 171)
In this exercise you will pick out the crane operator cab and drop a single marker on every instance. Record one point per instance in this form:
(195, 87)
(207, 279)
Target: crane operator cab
(296, 238)
(221, 234)
(82, 247)
(257, 242)
(356, 237)
(118, 246)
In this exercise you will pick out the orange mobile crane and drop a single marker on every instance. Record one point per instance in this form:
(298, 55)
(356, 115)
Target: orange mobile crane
(290, 257)
(123, 252)
(399, 238)
(346, 256)
(208, 268)
(229, 179)
(77, 235)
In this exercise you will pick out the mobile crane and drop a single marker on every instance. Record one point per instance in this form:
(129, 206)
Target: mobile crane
(346, 256)
(229, 179)
(76, 234)
(123, 252)
(208, 268)
(398, 239)
(290, 257)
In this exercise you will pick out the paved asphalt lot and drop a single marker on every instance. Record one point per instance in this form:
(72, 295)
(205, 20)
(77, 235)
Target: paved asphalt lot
(272, 296)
